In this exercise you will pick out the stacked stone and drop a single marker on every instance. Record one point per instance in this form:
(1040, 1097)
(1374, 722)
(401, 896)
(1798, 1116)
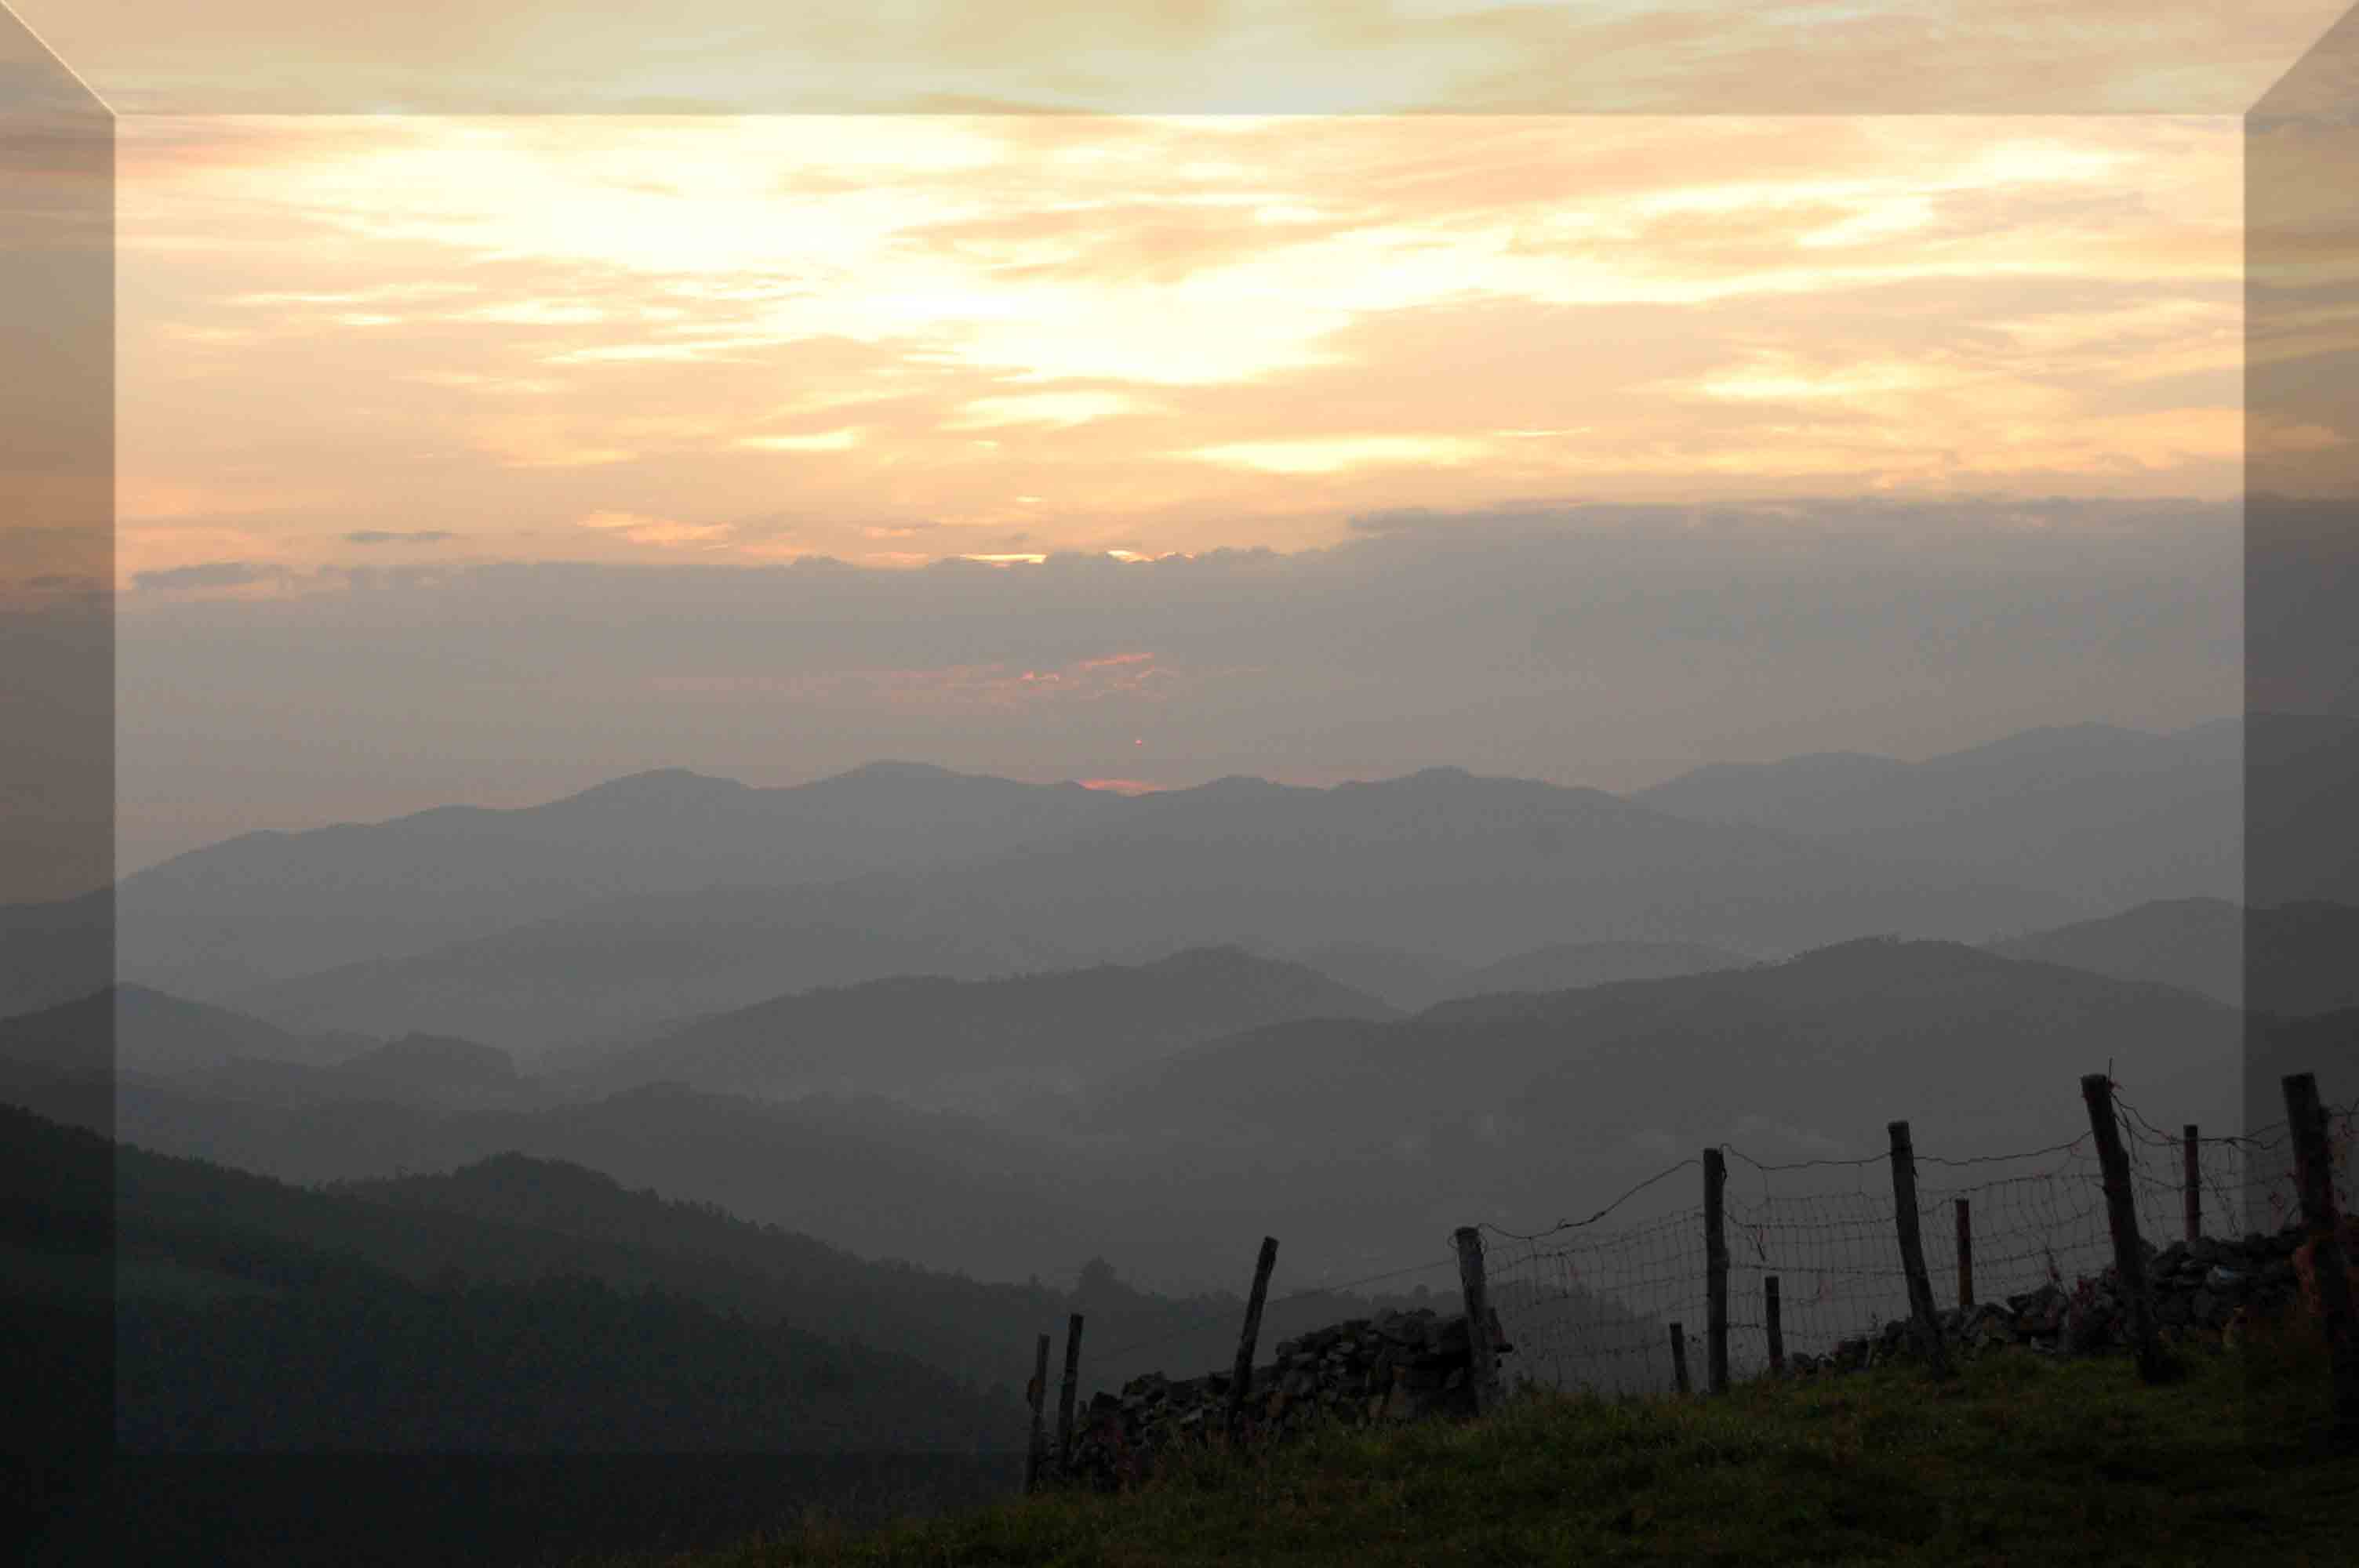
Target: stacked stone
(1393, 1366)
(2197, 1287)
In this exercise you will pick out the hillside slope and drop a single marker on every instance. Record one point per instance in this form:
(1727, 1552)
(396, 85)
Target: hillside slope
(2297, 957)
(980, 1044)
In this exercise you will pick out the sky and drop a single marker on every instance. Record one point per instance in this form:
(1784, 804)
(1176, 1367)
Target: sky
(889, 340)
(1688, 56)
(483, 459)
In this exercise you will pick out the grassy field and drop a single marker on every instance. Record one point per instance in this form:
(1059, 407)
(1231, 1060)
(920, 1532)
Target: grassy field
(2021, 1459)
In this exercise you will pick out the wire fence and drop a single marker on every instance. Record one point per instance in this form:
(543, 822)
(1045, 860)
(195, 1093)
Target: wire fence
(1586, 1304)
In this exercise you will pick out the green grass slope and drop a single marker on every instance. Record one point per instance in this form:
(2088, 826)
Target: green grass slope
(2021, 1459)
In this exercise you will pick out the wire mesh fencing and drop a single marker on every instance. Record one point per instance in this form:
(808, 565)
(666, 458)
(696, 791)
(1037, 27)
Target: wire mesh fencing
(1592, 1305)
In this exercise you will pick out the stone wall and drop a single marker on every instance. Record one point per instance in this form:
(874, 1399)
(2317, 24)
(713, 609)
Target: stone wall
(2198, 1289)
(1413, 1366)
(1393, 1367)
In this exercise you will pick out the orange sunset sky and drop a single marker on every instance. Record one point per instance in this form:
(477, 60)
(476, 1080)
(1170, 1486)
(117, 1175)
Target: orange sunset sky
(892, 339)
(421, 411)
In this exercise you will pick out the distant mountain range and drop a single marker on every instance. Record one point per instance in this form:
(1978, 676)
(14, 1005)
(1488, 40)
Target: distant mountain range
(144, 1031)
(998, 877)
(270, 906)
(2300, 959)
(1812, 1046)
(1359, 1141)
(1569, 965)
(977, 1044)
(1438, 860)
(2105, 816)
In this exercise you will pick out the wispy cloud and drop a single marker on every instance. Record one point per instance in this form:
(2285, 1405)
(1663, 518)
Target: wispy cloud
(664, 533)
(207, 574)
(1159, 336)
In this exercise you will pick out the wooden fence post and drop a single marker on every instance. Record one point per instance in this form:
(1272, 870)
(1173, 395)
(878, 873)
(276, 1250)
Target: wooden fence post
(2193, 1160)
(1715, 1272)
(1680, 1357)
(1066, 1395)
(1912, 1251)
(1483, 1366)
(1240, 1377)
(1036, 1393)
(1965, 1255)
(2314, 1170)
(2121, 1215)
(1776, 1326)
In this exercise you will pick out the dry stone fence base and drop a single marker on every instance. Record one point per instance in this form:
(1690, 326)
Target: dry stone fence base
(1393, 1366)
(1400, 1367)
(1414, 1365)
(2197, 1288)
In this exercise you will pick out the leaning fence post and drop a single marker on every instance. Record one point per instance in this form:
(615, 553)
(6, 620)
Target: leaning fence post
(2121, 1214)
(1680, 1357)
(1776, 1325)
(1965, 1255)
(1036, 1393)
(1240, 1377)
(2194, 1164)
(1912, 1251)
(2314, 1170)
(1065, 1395)
(1483, 1368)
(1716, 1274)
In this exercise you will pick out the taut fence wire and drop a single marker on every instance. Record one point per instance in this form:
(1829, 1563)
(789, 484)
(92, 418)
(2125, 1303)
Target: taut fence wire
(1591, 1306)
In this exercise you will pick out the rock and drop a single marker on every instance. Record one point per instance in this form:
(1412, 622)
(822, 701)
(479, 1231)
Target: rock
(1396, 1366)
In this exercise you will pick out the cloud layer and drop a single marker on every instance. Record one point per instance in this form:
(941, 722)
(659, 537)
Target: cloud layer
(894, 340)
(1606, 646)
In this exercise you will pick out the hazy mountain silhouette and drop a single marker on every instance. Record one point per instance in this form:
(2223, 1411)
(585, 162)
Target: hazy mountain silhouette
(1830, 1047)
(254, 1316)
(223, 922)
(2197, 942)
(2098, 813)
(2299, 956)
(1443, 861)
(1567, 966)
(2304, 837)
(2321, 1045)
(141, 1030)
(980, 1044)
(1438, 860)
(1411, 981)
(270, 906)
(1361, 1143)
(52, 953)
(435, 1061)
(629, 964)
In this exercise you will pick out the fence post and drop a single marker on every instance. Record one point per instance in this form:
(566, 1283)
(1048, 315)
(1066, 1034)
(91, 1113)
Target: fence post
(1036, 1393)
(1965, 1256)
(1716, 1274)
(1776, 1324)
(1065, 1396)
(2314, 1170)
(1680, 1357)
(1912, 1251)
(1241, 1378)
(2194, 1186)
(1483, 1366)
(2121, 1214)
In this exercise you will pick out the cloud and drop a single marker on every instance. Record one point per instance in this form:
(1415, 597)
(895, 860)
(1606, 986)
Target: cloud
(207, 574)
(665, 531)
(1160, 336)
(1604, 642)
(388, 536)
(1364, 57)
